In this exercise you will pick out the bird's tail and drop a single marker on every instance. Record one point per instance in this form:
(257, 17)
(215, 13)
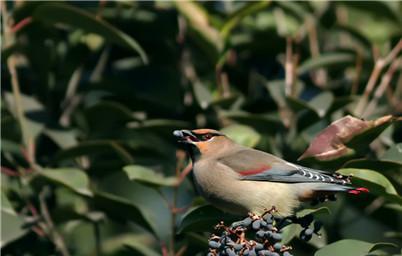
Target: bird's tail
(326, 187)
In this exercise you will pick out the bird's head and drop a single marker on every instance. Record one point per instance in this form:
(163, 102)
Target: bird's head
(203, 142)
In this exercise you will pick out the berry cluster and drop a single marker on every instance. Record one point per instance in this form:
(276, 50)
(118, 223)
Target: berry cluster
(252, 236)
(259, 235)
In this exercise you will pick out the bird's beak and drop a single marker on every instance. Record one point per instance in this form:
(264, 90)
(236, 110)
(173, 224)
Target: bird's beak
(185, 136)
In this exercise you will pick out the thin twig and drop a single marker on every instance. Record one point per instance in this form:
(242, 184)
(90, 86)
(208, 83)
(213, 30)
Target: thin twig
(54, 234)
(375, 205)
(394, 96)
(289, 68)
(182, 250)
(98, 244)
(9, 172)
(100, 66)
(385, 81)
(358, 71)
(380, 63)
(8, 37)
(320, 76)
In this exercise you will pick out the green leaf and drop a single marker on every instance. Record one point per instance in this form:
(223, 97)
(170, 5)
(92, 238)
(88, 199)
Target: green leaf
(386, 167)
(121, 209)
(260, 122)
(393, 154)
(59, 13)
(149, 176)
(73, 179)
(350, 247)
(242, 134)
(289, 232)
(377, 183)
(321, 103)
(11, 223)
(326, 60)
(202, 95)
(138, 248)
(118, 114)
(95, 147)
(63, 138)
(377, 21)
(203, 218)
(138, 243)
(235, 18)
(292, 230)
(317, 211)
(201, 28)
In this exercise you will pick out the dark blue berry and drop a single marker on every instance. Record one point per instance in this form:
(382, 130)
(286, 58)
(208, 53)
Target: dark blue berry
(238, 247)
(230, 252)
(308, 232)
(268, 218)
(277, 236)
(258, 247)
(277, 246)
(260, 234)
(214, 245)
(247, 221)
(256, 224)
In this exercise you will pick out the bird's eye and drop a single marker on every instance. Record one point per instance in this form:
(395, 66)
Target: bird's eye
(206, 136)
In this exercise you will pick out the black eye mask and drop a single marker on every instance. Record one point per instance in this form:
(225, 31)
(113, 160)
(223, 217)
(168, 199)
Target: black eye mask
(202, 137)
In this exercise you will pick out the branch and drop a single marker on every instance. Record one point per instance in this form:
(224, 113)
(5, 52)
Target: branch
(8, 37)
(55, 236)
(385, 81)
(320, 76)
(289, 68)
(375, 74)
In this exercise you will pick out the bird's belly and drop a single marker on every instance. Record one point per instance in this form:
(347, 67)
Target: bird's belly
(236, 196)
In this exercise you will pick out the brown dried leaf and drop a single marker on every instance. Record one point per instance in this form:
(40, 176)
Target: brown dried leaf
(331, 142)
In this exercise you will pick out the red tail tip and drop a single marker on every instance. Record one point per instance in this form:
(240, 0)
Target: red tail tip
(357, 191)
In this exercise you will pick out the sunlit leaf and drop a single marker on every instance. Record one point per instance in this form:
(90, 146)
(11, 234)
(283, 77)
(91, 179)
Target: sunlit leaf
(242, 134)
(326, 60)
(11, 223)
(377, 21)
(321, 103)
(148, 176)
(202, 95)
(235, 18)
(262, 123)
(200, 24)
(73, 179)
(393, 154)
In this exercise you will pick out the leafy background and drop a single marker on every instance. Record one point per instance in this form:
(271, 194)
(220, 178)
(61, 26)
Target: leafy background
(91, 92)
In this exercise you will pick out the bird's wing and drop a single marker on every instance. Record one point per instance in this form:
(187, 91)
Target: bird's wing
(260, 166)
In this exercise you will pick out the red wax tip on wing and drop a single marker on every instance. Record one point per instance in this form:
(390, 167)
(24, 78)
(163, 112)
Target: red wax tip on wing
(357, 191)
(254, 171)
(365, 190)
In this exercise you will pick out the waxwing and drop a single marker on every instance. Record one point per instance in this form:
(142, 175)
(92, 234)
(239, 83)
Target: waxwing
(240, 180)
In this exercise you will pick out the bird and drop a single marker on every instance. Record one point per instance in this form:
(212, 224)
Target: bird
(242, 180)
